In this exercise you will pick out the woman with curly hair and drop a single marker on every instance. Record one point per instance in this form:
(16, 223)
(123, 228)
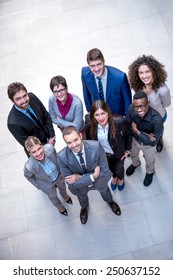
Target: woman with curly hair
(114, 135)
(148, 75)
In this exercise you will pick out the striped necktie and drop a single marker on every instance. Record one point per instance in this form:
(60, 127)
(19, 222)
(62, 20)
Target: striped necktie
(100, 88)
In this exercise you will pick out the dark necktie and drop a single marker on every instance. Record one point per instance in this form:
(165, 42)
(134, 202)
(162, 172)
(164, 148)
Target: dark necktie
(100, 88)
(33, 117)
(82, 161)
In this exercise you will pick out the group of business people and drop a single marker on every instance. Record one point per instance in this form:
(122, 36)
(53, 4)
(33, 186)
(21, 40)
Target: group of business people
(86, 164)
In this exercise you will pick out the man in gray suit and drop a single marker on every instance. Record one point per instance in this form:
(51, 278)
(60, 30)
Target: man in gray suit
(84, 166)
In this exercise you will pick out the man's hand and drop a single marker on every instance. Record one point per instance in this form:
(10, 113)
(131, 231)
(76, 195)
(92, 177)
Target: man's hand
(71, 179)
(96, 172)
(151, 136)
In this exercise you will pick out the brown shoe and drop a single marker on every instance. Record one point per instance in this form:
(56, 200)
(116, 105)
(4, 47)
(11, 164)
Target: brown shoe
(84, 215)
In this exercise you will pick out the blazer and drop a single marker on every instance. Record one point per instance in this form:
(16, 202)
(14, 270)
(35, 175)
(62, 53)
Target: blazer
(95, 155)
(123, 140)
(118, 94)
(21, 126)
(35, 174)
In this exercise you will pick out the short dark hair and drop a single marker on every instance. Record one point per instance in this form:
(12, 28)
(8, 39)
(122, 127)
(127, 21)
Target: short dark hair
(69, 129)
(139, 95)
(56, 81)
(13, 88)
(94, 54)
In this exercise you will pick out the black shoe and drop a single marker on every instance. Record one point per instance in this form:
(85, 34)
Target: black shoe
(131, 169)
(115, 208)
(84, 215)
(159, 145)
(148, 179)
(65, 213)
(69, 201)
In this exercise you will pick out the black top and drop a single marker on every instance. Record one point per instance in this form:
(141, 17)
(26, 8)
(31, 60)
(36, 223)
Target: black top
(151, 123)
(123, 137)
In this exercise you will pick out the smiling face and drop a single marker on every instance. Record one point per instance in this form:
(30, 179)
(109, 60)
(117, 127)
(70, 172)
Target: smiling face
(60, 93)
(21, 99)
(145, 75)
(74, 141)
(141, 106)
(37, 152)
(101, 117)
(97, 67)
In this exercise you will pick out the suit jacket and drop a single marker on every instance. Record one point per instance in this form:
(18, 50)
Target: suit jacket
(123, 140)
(35, 174)
(118, 94)
(95, 155)
(21, 126)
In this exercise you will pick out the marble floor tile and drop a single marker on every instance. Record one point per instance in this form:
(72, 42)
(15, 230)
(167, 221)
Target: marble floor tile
(4, 249)
(35, 245)
(160, 221)
(163, 251)
(104, 235)
(13, 217)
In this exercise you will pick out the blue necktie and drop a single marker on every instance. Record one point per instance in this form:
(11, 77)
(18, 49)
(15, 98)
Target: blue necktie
(100, 88)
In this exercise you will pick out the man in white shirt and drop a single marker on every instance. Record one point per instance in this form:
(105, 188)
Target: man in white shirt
(84, 166)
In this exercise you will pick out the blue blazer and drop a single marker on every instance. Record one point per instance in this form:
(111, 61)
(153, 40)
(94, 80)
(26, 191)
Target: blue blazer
(118, 94)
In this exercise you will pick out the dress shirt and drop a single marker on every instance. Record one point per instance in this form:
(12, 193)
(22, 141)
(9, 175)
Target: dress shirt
(104, 82)
(26, 113)
(102, 136)
(50, 169)
(151, 123)
(84, 158)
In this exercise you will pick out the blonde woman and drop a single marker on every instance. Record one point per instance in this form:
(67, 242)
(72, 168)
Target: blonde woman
(42, 171)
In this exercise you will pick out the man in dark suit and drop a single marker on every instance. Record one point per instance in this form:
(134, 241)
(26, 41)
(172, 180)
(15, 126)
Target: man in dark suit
(28, 116)
(84, 167)
(105, 82)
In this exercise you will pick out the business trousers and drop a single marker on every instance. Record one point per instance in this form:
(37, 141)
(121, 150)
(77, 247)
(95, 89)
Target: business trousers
(52, 193)
(149, 155)
(100, 185)
(116, 166)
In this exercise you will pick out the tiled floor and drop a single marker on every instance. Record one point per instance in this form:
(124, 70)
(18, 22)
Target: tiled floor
(40, 39)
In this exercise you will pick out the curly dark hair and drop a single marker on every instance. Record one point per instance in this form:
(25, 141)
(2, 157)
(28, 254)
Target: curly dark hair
(157, 69)
(101, 104)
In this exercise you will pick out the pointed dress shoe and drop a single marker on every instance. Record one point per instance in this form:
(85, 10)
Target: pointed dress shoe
(84, 215)
(69, 201)
(121, 187)
(65, 213)
(113, 186)
(115, 208)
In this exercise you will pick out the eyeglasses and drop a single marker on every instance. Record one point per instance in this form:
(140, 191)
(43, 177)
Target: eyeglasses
(61, 91)
(142, 107)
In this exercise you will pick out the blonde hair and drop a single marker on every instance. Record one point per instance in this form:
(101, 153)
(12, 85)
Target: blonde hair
(30, 142)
